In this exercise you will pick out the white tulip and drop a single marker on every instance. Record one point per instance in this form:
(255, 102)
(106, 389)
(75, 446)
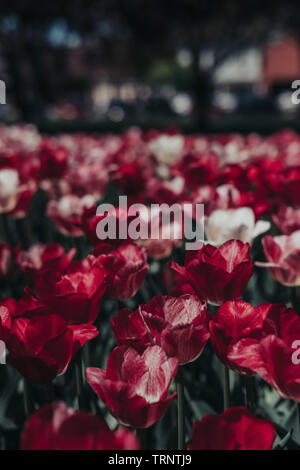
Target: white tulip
(233, 224)
(9, 182)
(167, 148)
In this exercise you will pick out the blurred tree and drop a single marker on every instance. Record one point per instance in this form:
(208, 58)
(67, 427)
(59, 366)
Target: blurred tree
(127, 37)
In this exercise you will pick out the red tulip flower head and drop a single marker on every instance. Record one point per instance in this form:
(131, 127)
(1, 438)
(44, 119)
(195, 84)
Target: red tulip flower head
(54, 161)
(66, 213)
(275, 355)
(176, 324)
(126, 267)
(76, 295)
(42, 344)
(217, 274)
(41, 257)
(235, 429)
(287, 220)
(233, 322)
(57, 427)
(283, 258)
(135, 387)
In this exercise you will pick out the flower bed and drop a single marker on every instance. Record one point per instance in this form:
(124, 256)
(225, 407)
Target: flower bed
(142, 341)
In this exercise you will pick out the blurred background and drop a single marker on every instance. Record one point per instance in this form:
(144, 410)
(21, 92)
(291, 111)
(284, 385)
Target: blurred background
(201, 65)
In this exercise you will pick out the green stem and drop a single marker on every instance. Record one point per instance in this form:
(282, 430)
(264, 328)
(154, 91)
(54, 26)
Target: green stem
(86, 354)
(77, 241)
(8, 236)
(297, 430)
(171, 282)
(295, 298)
(49, 392)
(79, 377)
(27, 407)
(180, 409)
(250, 395)
(140, 434)
(23, 229)
(226, 388)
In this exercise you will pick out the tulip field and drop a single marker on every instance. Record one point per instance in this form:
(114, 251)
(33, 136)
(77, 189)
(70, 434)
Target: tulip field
(137, 342)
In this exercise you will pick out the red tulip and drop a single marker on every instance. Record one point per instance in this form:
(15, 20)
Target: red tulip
(5, 318)
(23, 205)
(283, 258)
(66, 213)
(234, 321)
(235, 429)
(57, 427)
(41, 345)
(168, 233)
(76, 295)
(217, 274)
(18, 175)
(198, 169)
(130, 178)
(291, 190)
(135, 387)
(174, 283)
(54, 161)
(274, 356)
(90, 221)
(176, 324)
(287, 220)
(233, 173)
(230, 197)
(126, 267)
(15, 193)
(165, 192)
(41, 257)
(266, 175)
